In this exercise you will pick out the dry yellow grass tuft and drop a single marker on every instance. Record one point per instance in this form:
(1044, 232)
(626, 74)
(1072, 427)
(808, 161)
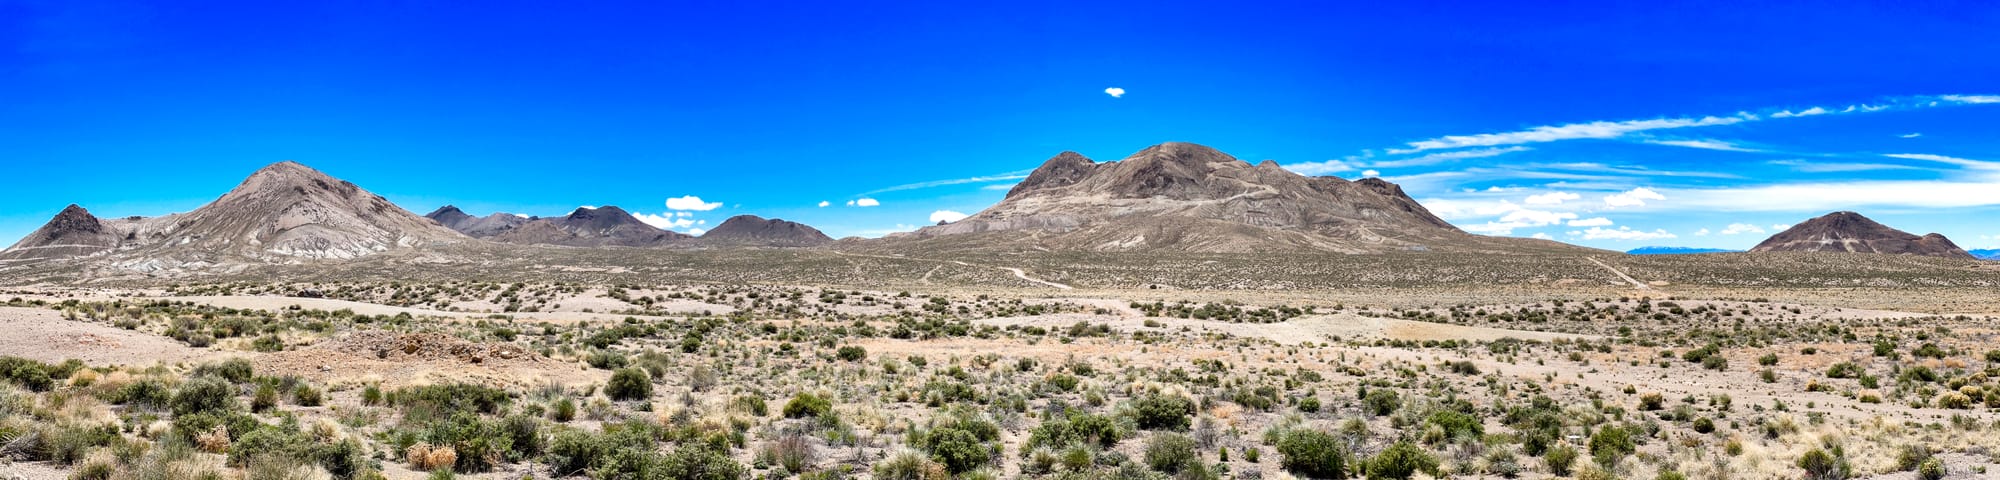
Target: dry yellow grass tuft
(215, 441)
(425, 457)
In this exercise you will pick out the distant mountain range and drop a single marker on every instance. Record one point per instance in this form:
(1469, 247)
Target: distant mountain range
(1676, 250)
(1172, 197)
(1987, 254)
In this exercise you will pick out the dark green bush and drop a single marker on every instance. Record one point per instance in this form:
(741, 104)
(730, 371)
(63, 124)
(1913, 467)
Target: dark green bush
(960, 451)
(433, 402)
(1170, 453)
(1402, 461)
(1313, 454)
(629, 384)
(1560, 460)
(235, 370)
(852, 353)
(1611, 444)
(204, 394)
(1162, 412)
(1381, 402)
(807, 405)
(1458, 425)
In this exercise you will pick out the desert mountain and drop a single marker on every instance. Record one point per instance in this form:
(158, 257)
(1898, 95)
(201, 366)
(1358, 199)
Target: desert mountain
(289, 210)
(752, 230)
(284, 212)
(477, 227)
(74, 232)
(1188, 197)
(1851, 232)
(591, 227)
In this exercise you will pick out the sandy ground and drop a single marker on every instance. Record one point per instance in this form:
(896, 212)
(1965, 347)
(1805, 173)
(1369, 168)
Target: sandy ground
(1315, 328)
(44, 335)
(280, 303)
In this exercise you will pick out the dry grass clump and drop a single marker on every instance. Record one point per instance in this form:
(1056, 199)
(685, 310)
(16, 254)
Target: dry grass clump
(426, 457)
(213, 441)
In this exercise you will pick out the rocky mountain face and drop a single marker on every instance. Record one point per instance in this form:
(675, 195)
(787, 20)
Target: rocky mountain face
(477, 227)
(1182, 196)
(1851, 232)
(752, 230)
(283, 213)
(72, 233)
(591, 227)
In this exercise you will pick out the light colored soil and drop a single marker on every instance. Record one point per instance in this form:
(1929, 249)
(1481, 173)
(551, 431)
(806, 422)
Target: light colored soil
(281, 303)
(1316, 328)
(44, 335)
(394, 360)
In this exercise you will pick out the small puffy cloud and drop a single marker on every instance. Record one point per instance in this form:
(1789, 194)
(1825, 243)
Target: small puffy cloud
(665, 222)
(1741, 228)
(1514, 216)
(1624, 234)
(1780, 227)
(1636, 197)
(946, 216)
(1912, 135)
(1591, 222)
(824, 203)
(1314, 169)
(1542, 236)
(697, 231)
(684, 214)
(1115, 92)
(1701, 233)
(864, 202)
(1551, 198)
(1370, 173)
(692, 202)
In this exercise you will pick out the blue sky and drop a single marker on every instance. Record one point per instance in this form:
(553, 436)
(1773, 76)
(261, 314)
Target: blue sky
(1604, 125)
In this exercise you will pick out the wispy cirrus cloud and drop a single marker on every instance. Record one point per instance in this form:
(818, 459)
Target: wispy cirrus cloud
(1706, 145)
(1606, 130)
(1009, 176)
(1443, 157)
(1961, 162)
(1837, 167)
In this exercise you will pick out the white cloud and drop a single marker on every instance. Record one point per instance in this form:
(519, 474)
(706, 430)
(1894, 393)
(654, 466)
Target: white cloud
(824, 203)
(1912, 135)
(1962, 162)
(1314, 169)
(1780, 227)
(1573, 131)
(1805, 113)
(665, 222)
(946, 216)
(691, 202)
(1971, 98)
(697, 231)
(1542, 236)
(1591, 222)
(1701, 233)
(1512, 216)
(1804, 197)
(1636, 197)
(1115, 92)
(1370, 173)
(864, 202)
(1441, 157)
(1016, 175)
(1816, 167)
(1625, 234)
(1551, 198)
(1740, 228)
(1704, 145)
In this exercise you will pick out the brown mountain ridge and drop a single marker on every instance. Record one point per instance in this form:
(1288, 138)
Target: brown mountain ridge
(1852, 232)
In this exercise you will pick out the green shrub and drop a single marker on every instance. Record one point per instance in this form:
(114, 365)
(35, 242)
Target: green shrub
(148, 392)
(307, 396)
(1457, 424)
(1313, 454)
(960, 451)
(204, 394)
(1560, 460)
(1077, 429)
(852, 353)
(629, 384)
(1162, 412)
(1402, 461)
(29, 374)
(1309, 404)
(1931, 469)
(1379, 402)
(908, 465)
(563, 410)
(1820, 465)
(1611, 444)
(427, 403)
(268, 343)
(235, 370)
(1169, 453)
(265, 398)
(807, 405)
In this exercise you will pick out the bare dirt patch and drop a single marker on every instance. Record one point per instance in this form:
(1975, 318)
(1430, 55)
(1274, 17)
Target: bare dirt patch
(396, 359)
(44, 335)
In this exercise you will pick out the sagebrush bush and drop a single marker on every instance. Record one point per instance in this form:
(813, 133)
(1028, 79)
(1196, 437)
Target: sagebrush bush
(807, 405)
(1313, 454)
(629, 384)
